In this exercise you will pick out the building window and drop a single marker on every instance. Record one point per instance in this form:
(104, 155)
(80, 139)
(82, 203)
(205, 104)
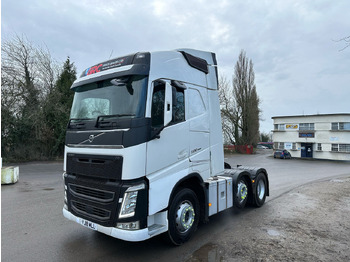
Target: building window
(281, 146)
(344, 148)
(307, 126)
(275, 145)
(280, 127)
(335, 147)
(294, 146)
(341, 126)
(319, 147)
(341, 148)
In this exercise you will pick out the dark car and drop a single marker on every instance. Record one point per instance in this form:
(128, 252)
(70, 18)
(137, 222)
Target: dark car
(283, 154)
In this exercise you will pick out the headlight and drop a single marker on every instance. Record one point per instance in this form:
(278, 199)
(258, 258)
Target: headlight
(129, 204)
(129, 201)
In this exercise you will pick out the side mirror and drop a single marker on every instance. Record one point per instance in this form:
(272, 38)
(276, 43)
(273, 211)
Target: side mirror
(168, 105)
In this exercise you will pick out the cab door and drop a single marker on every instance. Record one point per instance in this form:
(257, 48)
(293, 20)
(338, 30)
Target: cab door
(198, 118)
(168, 150)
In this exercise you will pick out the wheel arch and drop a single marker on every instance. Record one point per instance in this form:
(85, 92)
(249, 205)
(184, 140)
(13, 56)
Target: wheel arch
(247, 177)
(250, 174)
(258, 171)
(194, 182)
(263, 171)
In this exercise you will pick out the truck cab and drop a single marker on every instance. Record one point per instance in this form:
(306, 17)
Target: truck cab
(144, 152)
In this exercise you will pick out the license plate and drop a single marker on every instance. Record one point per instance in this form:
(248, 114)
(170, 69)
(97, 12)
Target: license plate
(88, 224)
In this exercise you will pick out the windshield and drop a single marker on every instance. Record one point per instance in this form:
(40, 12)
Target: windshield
(117, 97)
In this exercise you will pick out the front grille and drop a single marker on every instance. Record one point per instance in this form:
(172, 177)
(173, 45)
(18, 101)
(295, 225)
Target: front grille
(93, 199)
(91, 211)
(91, 193)
(97, 200)
(103, 167)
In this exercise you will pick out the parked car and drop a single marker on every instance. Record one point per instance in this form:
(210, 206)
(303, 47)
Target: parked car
(283, 154)
(261, 147)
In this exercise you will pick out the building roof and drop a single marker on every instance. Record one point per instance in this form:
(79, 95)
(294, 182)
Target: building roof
(337, 114)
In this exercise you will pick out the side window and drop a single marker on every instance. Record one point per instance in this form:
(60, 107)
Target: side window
(178, 105)
(158, 100)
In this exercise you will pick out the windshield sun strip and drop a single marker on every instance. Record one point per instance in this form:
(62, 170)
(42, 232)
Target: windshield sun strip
(110, 71)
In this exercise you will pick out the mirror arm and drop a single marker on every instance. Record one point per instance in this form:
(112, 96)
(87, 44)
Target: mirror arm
(156, 135)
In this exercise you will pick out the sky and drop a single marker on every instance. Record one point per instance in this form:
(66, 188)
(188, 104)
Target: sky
(300, 67)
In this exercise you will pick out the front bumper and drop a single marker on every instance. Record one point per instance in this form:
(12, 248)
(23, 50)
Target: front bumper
(127, 235)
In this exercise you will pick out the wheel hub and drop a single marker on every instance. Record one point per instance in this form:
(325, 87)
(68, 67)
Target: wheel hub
(242, 191)
(261, 189)
(185, 217)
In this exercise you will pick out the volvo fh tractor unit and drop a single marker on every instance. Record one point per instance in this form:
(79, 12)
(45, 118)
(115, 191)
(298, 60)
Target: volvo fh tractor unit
(144, 151)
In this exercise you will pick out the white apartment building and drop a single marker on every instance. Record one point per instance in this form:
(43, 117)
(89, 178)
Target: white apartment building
(323, 136)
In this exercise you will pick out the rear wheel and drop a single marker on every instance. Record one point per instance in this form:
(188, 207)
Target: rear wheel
(260, 190)
(183, 216)
(241, 193)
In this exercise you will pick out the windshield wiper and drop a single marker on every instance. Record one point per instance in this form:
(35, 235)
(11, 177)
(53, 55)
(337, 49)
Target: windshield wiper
(77, 120)
(110, 116)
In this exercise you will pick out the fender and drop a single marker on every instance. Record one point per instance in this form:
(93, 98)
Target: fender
(250, 173)
(195, 182)
(236, 176)
(254, 171)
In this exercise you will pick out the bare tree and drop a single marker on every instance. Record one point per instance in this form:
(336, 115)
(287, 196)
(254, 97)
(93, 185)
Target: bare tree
(346, 40)
(47, 71)
(229, 116)
(17, 73)
(27, 75)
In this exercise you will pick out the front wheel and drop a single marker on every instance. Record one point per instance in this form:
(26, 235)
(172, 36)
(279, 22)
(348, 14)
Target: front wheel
(183, 216)
(260, 190)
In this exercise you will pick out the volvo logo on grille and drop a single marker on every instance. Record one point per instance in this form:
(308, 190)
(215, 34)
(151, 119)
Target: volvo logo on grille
(91, 138)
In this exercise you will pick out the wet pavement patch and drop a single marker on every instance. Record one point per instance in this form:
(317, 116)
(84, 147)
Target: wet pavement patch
(273, 232)
(209, 252)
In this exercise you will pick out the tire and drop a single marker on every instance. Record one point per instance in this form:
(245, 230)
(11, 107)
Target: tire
(183, 216)
(260, 190)
(241, 193)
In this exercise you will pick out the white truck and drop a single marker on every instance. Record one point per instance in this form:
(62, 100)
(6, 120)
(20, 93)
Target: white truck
(144, 151)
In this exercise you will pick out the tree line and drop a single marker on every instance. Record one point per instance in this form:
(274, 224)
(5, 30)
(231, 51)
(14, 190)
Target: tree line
(35, 101)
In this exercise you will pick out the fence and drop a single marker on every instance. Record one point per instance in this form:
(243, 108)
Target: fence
(243, 149)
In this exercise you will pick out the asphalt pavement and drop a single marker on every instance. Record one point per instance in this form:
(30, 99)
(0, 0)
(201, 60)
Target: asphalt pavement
(34, 229)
